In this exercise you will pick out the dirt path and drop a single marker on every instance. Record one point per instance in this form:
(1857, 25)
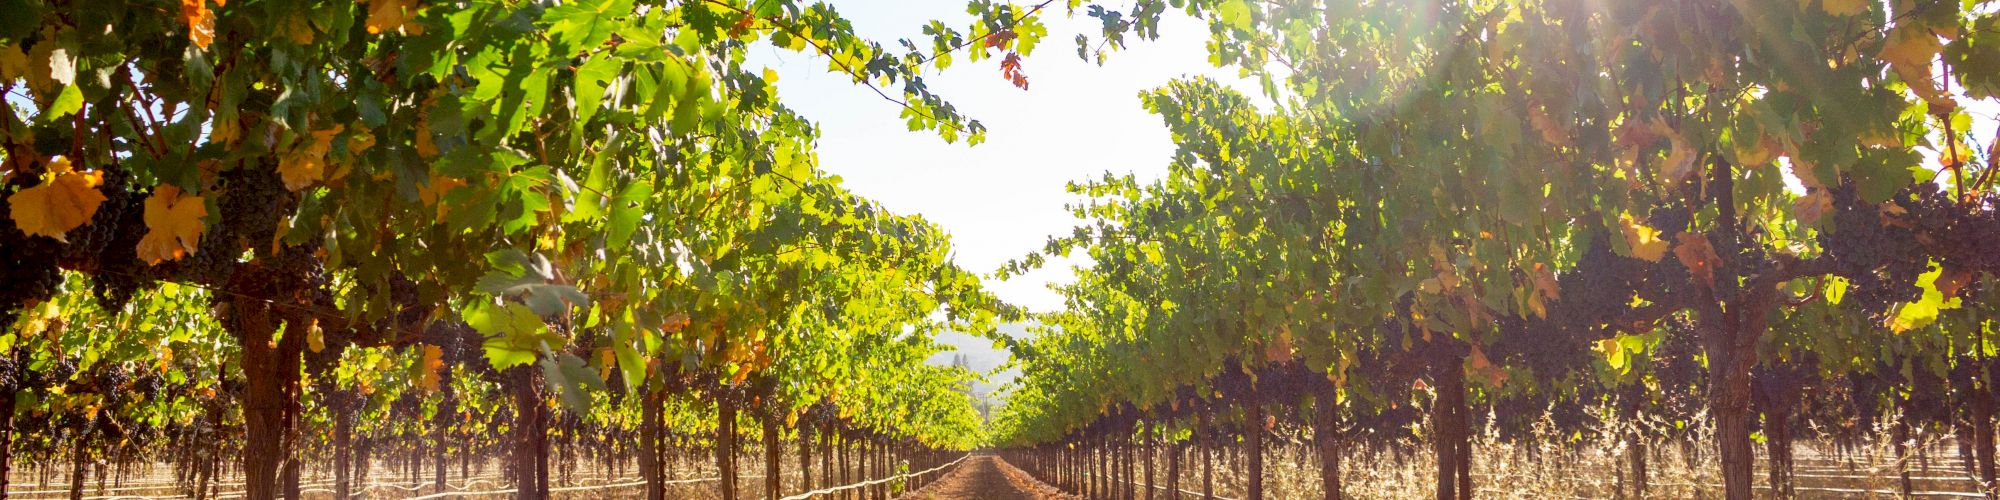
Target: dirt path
(987, 478)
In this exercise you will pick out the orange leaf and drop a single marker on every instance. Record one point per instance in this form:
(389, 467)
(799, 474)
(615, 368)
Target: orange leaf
(1556, 134)
(1950, 280)
(1010, 69)
(1810, 207)
(306, 164)
(1699, 258)
(999, 38)
(200, 22)
(1545, 282)
(1279, 350)
(675, 322)
(1484, 368)
(389, 16)
(433, 361)
(434, 191)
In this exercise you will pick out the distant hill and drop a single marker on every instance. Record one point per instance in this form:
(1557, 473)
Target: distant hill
(982, 357)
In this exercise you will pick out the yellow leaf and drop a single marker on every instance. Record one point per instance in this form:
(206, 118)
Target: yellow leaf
(37, 320)
(435, 190)
(360, 140)
(1803, 170)
(13, 62)
(301, 170)
(64, 200)
(433, 361)
(51, 67)
(425, 146)
(225, 130)
(1810, 207)
(1555, 134)
(1339, 374)
(173, 223)
(1280, 349)
(1644, 241)
(306, 164)
(1756, 151)
(315, 339)
(1680, 160)
(200, 22)
(389, 16)
(322, 140)
(165, 357)
(1545, 282)
(1844, 7)
(1909, 49)
(299, 28)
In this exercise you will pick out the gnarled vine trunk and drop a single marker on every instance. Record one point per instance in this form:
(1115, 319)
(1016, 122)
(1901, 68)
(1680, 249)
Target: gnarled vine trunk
(805, 457)
(1207, 459)
(1453, 442)
(650, 420)
(79, 457)
(1729, 399)
(725, 445)
(530, 439)
(1982, 419)
(343, 444)
(271, 377)
(1326, 434)
(772, 480)
(1152, 449)
(1635, 447)
(1253, 446)
(440, 427)
(1173, 469)
(6, 434)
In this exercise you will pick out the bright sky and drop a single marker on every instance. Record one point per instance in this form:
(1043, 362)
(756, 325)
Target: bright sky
(1004, 198)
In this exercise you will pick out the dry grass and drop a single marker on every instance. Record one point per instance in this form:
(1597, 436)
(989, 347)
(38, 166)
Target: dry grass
(1554, 466)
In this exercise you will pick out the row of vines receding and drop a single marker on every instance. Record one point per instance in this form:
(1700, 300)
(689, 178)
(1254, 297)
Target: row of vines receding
(1534, 231)
(272, 248)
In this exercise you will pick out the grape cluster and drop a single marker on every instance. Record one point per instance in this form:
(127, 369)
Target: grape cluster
(28, 264)
(1550, 349)
(90, 240)
(1779, 385)
(252, 202)
(109, 246)
(1880, 261)
(1600, 287)
(1928, 401)
(1962, 234)
(1671, 220)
